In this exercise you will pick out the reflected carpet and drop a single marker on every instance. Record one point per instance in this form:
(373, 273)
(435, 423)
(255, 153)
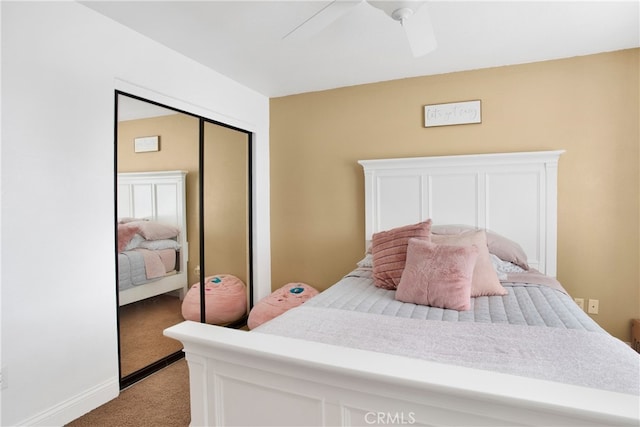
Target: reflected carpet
(141, 326)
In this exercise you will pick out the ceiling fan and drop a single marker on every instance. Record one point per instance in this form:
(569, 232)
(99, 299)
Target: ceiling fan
(411, 14)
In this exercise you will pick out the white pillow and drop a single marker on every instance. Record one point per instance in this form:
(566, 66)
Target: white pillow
(156, 245)
(134, 242)
(504, 267)
(366, 262)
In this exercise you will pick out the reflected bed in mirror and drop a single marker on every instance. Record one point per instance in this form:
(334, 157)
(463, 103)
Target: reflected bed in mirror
(152, 267)
(149, 297)
(152, 230)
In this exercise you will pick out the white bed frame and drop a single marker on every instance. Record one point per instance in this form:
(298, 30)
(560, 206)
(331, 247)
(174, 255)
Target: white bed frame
(513, 194)
(254, 379)
(158, 196)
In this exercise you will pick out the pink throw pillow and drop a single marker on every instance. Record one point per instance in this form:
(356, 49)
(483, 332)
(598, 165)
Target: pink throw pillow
(152, 230)
(500, 246)
(125, 234)
(438, 275)
(485, 279)
(389, 250)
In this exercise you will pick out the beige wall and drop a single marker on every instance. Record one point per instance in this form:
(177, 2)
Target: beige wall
(587, 105)
(225, 179)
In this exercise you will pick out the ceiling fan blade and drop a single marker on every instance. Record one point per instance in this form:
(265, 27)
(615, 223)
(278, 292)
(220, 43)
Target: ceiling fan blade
(321, 19)
(420, 32)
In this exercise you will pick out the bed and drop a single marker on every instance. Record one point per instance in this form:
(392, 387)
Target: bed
(355, 355)
(152, 235)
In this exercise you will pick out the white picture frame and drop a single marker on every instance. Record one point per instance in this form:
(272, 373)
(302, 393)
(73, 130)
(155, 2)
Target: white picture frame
(146, 144)
(453, 113)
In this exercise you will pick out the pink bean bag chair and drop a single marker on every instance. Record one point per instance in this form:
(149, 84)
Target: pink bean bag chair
(289, 296)
(225, 300)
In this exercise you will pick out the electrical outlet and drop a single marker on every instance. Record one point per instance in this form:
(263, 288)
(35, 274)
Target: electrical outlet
(3, 378)
(593, 306)
(580, 302)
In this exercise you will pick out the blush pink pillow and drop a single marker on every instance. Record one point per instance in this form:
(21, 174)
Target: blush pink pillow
(152, 230)
(125, 234)
(485, 279)
(438, 275)
(503, 248)
(389, 251)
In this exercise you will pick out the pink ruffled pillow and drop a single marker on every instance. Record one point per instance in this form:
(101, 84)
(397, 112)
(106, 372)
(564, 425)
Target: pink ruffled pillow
(389, 251)
(125, 234)
(438, 275)
(485, 279)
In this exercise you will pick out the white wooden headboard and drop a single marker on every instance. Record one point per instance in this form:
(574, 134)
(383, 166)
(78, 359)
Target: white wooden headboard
(158, 196)
(513, 194)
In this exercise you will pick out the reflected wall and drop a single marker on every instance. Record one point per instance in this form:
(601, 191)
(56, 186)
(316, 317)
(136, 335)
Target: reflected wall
(225, 188)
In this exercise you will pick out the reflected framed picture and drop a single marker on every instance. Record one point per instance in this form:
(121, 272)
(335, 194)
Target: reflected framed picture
(146, 144)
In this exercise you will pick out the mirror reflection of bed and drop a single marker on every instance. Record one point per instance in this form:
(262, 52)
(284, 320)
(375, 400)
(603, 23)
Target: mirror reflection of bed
(152, 264)
(159, 209)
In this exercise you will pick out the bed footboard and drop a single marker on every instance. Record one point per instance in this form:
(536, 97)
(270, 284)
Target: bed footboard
(253, 379)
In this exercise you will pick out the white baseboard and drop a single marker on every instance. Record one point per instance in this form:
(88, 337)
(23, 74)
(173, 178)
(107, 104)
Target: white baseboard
(75, 407)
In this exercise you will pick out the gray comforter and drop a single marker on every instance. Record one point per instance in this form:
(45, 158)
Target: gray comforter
(534, 331)
(525, 304)
(131, 270)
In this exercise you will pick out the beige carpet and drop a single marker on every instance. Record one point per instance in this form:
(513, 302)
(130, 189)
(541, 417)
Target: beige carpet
(160, 400)
(141, 326)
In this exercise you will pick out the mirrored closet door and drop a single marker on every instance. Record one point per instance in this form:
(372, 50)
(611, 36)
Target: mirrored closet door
(183, 198)
(226, 218)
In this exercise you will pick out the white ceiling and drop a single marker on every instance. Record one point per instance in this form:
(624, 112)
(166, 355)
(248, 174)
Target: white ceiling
(133, 109)
(244, 39)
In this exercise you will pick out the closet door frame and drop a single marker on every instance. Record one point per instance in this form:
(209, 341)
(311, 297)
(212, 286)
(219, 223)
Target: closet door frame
(142, 373)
